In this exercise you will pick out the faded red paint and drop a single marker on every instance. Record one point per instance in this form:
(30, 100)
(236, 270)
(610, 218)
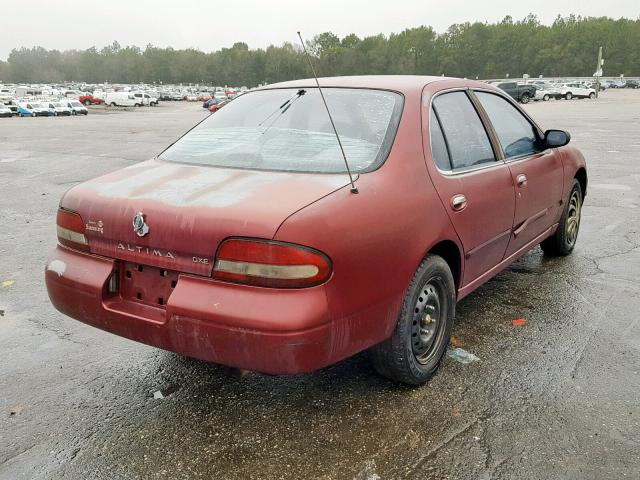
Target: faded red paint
(376, 239)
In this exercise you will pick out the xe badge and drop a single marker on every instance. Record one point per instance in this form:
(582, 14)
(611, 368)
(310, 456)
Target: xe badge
(139, 225)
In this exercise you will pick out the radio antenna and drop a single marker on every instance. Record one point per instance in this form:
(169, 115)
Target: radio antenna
(333, 125)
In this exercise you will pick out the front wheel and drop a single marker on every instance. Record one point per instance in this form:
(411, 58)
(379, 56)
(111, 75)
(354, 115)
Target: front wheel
(563, 241)
(592, 95)
(423, 330)
(568, 96)
(86, 103)
(545, 98)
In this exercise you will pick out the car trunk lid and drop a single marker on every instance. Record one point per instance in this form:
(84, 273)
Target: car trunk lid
(189, 210)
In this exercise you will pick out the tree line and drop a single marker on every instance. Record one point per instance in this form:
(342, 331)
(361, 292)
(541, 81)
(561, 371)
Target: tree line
(568, 47)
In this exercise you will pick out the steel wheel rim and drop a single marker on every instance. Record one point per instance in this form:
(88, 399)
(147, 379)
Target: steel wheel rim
(573, 218)
(427, 322)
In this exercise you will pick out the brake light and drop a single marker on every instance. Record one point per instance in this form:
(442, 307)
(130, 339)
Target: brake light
(71, 230)
(267, 263)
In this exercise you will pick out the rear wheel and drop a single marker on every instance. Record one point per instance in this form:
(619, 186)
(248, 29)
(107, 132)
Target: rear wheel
(113, 104)
(421, 336)
(563, 241)
(525, 98)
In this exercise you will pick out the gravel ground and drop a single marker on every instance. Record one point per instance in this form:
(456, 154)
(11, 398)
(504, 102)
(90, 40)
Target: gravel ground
(556, 398)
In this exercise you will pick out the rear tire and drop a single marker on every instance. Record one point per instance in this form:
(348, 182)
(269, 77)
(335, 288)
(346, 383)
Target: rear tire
(414, 351)
(524, 99)
(564, 240)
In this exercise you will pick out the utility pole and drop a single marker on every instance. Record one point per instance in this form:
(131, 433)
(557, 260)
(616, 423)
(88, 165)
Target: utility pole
(598, 72)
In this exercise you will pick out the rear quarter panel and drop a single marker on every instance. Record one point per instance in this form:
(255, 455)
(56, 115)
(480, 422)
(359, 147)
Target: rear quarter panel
(376, 239)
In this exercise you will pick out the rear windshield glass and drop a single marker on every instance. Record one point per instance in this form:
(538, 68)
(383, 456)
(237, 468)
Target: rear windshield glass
(289, 129)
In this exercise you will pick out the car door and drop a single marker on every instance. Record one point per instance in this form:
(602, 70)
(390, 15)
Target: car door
(537, 173)
(473, 184)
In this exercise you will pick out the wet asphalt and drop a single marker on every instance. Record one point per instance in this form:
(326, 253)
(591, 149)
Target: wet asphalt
(555, 398)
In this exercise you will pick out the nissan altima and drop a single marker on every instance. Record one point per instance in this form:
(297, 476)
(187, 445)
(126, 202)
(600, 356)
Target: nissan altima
(246, 244)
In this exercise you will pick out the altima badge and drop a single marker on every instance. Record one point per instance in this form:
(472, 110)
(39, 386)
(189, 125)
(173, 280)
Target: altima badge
(139, 226)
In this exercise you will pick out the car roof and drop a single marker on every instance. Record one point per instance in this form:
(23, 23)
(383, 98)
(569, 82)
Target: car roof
(399, 83)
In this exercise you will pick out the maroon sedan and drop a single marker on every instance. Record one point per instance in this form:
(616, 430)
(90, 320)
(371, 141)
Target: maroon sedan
(244, 244)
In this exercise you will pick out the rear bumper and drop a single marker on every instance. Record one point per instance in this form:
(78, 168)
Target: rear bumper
(276, 332)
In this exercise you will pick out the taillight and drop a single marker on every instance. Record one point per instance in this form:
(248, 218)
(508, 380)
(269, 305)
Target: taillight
(267, 263)
(71, 230)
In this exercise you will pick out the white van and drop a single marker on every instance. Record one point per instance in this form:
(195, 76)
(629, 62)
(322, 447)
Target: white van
(145, 99)
(122, 99)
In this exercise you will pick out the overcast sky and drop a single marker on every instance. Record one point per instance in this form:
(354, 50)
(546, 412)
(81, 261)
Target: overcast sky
(210, 25)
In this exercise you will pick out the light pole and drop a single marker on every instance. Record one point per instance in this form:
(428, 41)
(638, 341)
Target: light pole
(598, 72)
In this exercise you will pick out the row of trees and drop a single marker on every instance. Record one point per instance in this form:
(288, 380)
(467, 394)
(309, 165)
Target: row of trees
(567, 47)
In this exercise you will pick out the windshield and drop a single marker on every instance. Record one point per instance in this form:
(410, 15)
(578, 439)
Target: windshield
(75, 104)
(289, 130)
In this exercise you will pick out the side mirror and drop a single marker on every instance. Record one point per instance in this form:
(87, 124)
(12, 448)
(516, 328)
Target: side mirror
(556, 138)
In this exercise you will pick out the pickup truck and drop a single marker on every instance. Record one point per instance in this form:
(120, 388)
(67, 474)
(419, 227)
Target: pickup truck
(522, 93)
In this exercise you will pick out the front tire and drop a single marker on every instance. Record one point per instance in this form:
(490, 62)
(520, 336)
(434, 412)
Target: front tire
(414, 351)
(592, 95)
(564, 240)
(568, 96)
(545, 98)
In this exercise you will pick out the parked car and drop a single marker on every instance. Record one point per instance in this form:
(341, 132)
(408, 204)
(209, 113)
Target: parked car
(220, 95)
(30, 109)
(90, 100)
(59, 108)
(214, 107)
(632, 84)
(520, 92)
(12, 105)
(576, 90)
(5, 111)
(257, 251)
(542, 94)
(77, 108)
(211, 101)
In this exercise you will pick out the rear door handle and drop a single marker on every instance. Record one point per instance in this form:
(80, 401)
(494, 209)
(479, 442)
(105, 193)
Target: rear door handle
(458, 202)
(522, 180)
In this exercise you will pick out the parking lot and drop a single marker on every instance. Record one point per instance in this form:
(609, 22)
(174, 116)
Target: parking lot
(555, 398)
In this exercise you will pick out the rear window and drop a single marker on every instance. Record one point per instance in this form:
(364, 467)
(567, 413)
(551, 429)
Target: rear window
(289, 130)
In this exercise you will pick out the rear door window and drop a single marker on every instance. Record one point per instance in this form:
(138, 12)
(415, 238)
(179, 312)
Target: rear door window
(465, 136)
(517, 135)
